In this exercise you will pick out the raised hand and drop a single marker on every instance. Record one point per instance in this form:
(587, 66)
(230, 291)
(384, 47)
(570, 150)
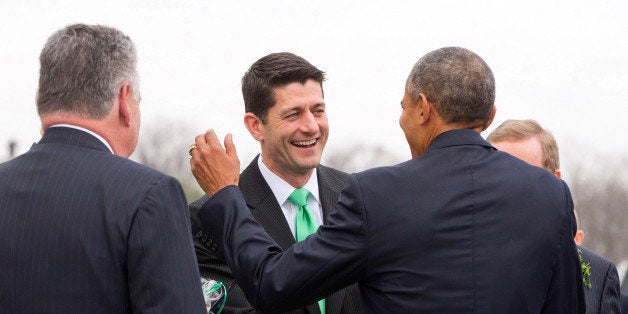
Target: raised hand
(213, 166)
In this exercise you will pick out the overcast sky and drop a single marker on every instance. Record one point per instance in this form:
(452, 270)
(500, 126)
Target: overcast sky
(563, 63)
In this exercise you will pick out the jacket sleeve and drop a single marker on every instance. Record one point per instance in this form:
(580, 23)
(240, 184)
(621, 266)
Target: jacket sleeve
(214, 268)
(275, 281)
(162, 272)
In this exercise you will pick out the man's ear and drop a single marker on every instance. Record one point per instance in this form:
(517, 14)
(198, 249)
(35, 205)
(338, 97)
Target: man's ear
(424, 109)
(255, 126)
(124, 106)
(490, 120)
(579, 237)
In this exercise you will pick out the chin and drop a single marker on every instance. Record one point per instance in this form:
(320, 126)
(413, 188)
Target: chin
(306, 166)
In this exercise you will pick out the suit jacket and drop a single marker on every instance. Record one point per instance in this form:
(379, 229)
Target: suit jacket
(85, 231)
(463, 228)
(624, 303)
(263, 205)
(603, 297)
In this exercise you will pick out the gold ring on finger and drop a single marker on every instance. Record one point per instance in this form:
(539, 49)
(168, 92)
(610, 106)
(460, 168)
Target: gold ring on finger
(192, 147)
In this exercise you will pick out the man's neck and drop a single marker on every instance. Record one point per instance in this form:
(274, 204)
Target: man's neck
(99, 127)
(297, 180)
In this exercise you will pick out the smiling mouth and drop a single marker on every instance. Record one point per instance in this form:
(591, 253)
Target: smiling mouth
(305, 144)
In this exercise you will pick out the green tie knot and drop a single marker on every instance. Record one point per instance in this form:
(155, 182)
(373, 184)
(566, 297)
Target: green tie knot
(299, 197)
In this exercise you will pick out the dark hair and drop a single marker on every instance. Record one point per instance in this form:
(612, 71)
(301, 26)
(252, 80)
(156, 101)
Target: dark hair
(272, 71)
(82, 70)
(457, 82)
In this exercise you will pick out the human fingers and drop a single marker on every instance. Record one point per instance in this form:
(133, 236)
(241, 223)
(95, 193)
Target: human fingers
(211, 140)
(229, 146)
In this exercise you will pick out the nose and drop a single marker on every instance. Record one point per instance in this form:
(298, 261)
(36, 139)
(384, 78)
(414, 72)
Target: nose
(308, 123)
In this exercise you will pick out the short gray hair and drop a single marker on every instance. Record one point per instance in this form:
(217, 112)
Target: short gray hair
(82, 70)
(459, 84)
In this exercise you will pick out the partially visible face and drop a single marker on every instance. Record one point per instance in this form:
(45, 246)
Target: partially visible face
(296, 129)
(528, 150)
(410, 125)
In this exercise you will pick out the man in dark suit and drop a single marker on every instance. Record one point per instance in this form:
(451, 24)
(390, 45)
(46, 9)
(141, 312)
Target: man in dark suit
(283, 98)
(530, 142)
(460, 228)
(84, 229)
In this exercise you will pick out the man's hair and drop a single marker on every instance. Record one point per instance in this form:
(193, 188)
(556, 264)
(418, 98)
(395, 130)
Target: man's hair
(457, 82)
(82, 70)
(525, 129)
(272, 71)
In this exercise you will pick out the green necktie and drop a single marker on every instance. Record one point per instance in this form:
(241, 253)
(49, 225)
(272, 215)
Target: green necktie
(304, 223)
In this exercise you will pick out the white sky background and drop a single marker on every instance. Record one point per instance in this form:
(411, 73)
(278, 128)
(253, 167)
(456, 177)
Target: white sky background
(563, 63)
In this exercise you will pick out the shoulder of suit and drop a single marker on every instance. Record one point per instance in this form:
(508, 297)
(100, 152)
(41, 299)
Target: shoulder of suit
(590, 257)
(130, 166)
(141, 177)
(332, 172)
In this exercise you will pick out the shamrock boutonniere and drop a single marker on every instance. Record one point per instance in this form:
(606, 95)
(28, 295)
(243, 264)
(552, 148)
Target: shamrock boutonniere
(586, 271)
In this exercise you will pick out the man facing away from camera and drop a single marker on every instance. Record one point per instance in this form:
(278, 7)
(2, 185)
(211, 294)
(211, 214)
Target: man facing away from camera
(84, 229)
(459, 228)
(530, 142)
(286, 114)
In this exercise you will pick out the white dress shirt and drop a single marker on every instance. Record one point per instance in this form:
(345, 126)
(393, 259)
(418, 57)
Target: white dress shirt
(85, 130)
(282, 190)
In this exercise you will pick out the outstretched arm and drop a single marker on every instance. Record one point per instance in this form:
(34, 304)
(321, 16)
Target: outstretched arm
(272, 280)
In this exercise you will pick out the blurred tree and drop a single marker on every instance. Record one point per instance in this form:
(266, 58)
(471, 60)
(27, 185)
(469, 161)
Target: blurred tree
(360, 156)
(599, 185)
(163, 145)
(12, 148)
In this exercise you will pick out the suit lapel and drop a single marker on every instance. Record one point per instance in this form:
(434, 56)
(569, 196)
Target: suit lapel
(329, 187)
(263, 205)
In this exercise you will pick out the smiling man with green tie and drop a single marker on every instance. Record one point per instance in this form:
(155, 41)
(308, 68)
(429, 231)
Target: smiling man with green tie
(285, 187)
(443, 232)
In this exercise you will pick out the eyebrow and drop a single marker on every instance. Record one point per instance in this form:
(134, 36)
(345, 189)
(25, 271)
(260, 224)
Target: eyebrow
(298, 108)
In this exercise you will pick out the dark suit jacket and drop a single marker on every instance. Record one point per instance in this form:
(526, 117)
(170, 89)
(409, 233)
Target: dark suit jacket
(624, 303)
(463, 228)
(85, 231)
(263, 205)
(603, 297)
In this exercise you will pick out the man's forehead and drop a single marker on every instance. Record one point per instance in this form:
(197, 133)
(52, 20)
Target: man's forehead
(528, 150)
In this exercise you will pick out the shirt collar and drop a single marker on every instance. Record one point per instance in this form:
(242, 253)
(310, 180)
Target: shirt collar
(85, 130)
(282, 189)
